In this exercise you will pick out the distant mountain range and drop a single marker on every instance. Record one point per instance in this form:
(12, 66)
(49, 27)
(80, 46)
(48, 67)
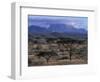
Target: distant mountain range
(60, 28)
(57, 30)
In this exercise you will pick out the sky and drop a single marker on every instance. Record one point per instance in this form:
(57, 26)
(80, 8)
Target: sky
(45, 21)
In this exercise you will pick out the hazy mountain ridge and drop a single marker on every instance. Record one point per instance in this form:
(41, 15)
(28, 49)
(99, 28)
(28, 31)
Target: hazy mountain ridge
(61, 28)
(57, 30)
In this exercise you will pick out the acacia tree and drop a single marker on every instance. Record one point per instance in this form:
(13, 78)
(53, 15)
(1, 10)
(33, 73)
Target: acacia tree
(70, 43)
(47, 55)
(72, 49)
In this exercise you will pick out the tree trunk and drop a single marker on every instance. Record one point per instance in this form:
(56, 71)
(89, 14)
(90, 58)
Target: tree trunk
(47, 60)
(70, 52)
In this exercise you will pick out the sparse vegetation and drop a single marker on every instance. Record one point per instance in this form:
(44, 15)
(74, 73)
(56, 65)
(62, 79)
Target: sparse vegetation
(57, 51)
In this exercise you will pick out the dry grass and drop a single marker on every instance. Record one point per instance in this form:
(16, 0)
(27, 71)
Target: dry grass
(42, 62)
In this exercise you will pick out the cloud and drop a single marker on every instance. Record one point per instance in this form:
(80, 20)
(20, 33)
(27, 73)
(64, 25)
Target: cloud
(77, 22)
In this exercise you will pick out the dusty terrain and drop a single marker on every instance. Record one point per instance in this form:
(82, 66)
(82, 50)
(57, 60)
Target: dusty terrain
(56, 51)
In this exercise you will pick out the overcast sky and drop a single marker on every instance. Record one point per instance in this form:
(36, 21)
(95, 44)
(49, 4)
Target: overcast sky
(45, 21)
